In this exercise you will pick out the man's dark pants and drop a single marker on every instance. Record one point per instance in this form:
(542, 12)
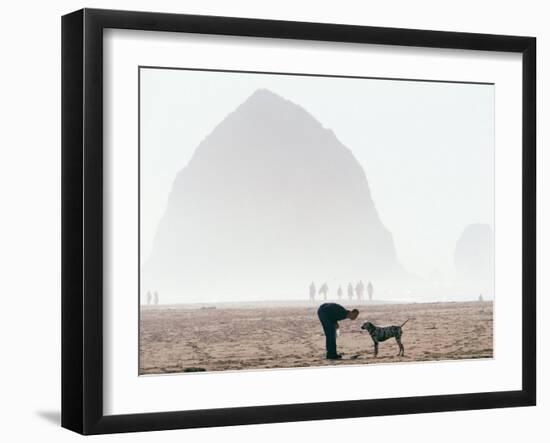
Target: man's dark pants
(330, 332)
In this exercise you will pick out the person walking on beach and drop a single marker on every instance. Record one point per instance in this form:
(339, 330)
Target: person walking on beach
(340, 292)
(324, 290)
(350, 292)
(359, 289)
(329, 315)
(370, 290)
(312, 291)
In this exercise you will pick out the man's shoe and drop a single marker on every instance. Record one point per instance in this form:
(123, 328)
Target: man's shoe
(334, 357)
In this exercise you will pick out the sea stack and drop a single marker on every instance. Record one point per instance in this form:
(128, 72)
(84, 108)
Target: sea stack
(269, 201)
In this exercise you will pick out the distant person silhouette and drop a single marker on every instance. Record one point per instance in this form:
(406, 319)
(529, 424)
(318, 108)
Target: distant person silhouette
(370, 290)
(329, 314)
(156, 300)
(350, 291)
(340, 292)
(359, 290)
(312, 291)
(480, 298)
(149, 297)
(324, 290)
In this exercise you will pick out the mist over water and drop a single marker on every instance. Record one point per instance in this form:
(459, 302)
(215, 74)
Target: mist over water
(271, 200)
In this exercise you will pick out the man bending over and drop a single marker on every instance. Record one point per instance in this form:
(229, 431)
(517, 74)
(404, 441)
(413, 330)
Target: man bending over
(329, 315)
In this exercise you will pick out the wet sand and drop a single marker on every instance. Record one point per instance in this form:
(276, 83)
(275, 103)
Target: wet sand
(182, 338)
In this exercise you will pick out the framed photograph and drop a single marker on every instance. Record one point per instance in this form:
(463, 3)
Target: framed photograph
(269, 221)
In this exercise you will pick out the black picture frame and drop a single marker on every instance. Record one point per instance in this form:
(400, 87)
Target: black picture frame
(82, 219)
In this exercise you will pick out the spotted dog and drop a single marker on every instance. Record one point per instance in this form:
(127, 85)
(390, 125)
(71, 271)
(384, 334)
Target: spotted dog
(382, 333)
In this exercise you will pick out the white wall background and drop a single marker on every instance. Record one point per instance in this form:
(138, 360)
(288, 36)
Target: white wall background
(30, 221)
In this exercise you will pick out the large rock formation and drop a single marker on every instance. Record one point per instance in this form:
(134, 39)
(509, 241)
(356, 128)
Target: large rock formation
(270, 201)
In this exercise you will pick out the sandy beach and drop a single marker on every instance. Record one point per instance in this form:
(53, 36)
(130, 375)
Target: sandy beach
(182, 338)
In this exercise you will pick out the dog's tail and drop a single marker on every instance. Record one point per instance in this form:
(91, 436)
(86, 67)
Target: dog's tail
(403, 324)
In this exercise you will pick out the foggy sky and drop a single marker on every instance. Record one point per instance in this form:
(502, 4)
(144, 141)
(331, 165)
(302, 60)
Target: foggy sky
(426, 148)
(269, 200)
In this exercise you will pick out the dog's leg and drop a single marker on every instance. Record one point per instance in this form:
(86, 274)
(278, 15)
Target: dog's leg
(375, 348)
(401, 347)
